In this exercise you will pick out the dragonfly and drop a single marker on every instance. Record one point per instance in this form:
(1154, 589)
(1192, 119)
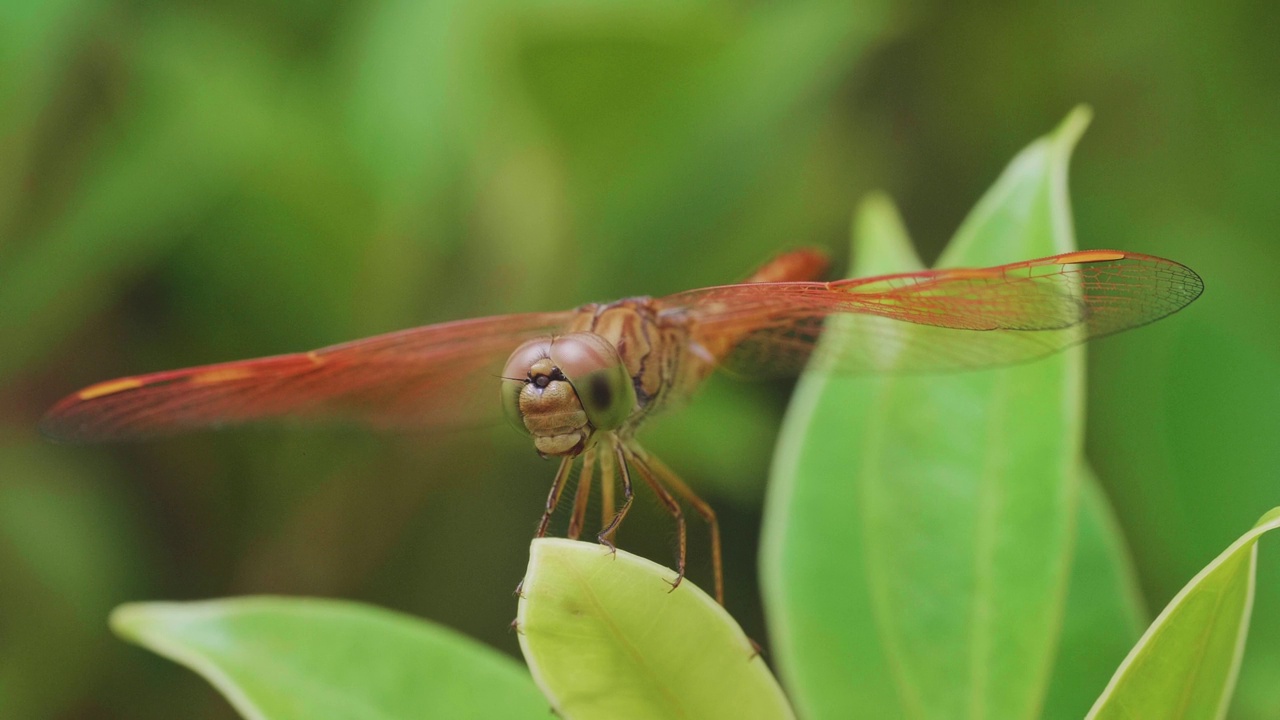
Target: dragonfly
(580, 383)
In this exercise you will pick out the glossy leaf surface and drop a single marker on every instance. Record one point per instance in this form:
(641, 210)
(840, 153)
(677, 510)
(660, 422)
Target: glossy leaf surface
(283, 658)
(1105, 611)
(954, 498)
(605, 638)
(1186, 664)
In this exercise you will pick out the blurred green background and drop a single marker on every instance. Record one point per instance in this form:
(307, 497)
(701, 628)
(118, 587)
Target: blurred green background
(183, 183)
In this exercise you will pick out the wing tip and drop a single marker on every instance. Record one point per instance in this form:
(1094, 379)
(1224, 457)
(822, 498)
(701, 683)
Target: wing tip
(56, 427)
(78, 418)
(63, 423)
(1192, 284)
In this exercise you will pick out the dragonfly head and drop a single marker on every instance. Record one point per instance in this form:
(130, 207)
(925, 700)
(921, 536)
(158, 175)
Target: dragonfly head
(561, 390)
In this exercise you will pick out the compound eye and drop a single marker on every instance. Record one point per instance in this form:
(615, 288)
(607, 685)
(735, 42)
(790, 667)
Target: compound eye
(592, 365)
(515, 374)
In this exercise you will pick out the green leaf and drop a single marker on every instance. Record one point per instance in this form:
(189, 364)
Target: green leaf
(1185, 665)
(1105, 614)
(951, 499)
(606, 637)
(319, 659)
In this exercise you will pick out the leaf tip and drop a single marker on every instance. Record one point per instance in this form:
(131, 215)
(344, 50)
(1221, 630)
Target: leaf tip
(136, 622)
(1072, 127)
(880, 242)
(1271, 516)
(127, 621)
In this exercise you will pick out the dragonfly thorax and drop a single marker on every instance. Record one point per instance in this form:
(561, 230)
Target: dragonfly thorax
(561, 390)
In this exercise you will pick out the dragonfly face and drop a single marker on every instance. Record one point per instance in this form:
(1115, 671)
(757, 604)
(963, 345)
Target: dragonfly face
(562, 390)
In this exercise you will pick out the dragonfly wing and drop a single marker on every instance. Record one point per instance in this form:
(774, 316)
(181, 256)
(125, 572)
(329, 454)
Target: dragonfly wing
(936, 320)
(435, 376)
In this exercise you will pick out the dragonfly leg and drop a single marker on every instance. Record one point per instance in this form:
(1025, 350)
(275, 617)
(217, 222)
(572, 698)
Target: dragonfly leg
(627, 497)
(581, 495)
(641, 462)
(553, 499)
(703, 508)
(607, 488)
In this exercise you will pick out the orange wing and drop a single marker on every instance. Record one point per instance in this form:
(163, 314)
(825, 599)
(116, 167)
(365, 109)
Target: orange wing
(936, 320)
(434, 376)
(444, 375)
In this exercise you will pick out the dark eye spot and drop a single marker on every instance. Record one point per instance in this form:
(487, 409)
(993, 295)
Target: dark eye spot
(601, 393)
(542, 381)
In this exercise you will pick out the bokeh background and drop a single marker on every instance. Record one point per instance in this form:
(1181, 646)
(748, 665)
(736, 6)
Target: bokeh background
(190, 182)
